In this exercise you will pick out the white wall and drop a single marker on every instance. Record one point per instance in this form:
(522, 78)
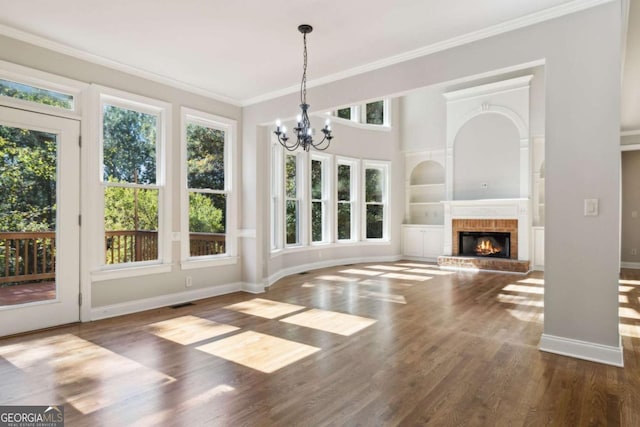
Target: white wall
(582, 157)
(487, 152)
(423, 112)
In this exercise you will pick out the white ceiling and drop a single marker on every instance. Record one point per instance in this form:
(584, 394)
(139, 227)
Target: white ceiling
(244, 50)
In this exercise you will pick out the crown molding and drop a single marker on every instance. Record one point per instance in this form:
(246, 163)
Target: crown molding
(490, 88)
(514, 24)
(106, 62)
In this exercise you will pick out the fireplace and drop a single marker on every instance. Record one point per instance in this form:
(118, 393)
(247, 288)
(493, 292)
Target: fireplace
(484, 244)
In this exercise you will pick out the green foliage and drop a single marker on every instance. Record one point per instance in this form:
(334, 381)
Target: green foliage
(205, 154)
(204, 215)
(129, 145)
(344, 221)
(27, 180)
(120, 208)
(375, 113)
(345, 113)
(34, 94)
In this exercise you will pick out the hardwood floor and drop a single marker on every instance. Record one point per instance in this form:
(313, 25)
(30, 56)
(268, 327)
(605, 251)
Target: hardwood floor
(419, 346)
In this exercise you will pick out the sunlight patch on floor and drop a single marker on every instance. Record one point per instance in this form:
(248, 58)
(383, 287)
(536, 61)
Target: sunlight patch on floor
(625, 288)
(89, 377)
(525, 289)
(330, 321)
(532, 281)
(169, 416)
(416, 265)
(629, 282)
(430, 271)
(525, 316)
(629, 313)
(264, 308)
(186, 330)
(402, 276)
(362, 272)
(383, 297)
(261, 352)
(385, 284)
(386, 267)
(520, 300)
(333, 278)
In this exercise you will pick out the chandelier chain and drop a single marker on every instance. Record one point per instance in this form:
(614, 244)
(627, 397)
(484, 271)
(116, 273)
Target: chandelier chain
(303, 84)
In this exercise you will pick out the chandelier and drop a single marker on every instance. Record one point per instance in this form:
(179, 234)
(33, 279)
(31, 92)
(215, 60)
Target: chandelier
(303, 130)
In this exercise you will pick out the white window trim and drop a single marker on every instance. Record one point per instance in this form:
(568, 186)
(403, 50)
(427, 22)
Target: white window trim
(229, 126)
(386, 168)
(327, 198)
(101, 95)
(40, 79)
(354, 165)
(359, 116)
(301, 195)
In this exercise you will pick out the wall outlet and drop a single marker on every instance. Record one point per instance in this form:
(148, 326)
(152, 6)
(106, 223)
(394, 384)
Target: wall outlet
(484, 185)
(188, 282)
(634, 251)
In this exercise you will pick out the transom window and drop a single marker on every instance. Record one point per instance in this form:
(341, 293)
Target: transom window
(25, 92)
(374, 113)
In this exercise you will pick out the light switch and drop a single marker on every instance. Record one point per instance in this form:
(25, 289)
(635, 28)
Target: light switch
(590, 207)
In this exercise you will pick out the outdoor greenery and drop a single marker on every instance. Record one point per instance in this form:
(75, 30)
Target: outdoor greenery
(316, 204)
(291, 193)
(375, 113)
(373, 198)
(27, 180)
(34, 94)
(344, 202)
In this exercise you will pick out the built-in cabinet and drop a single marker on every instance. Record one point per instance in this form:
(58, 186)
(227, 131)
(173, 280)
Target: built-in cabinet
(422, 241)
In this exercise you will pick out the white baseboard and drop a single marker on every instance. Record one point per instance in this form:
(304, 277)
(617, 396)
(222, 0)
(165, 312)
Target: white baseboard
(537, 268)
(421, 259)
(136, 306)
(583, 350)
(329, 263)
(253, 288)
(634, 265)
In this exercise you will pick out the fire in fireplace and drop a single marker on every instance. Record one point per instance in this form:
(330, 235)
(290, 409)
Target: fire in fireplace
(484, 244)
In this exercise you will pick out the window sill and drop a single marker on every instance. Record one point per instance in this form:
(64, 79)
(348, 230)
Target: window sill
(206, 262)
(359, 125)
(318, 246)
(129, 271)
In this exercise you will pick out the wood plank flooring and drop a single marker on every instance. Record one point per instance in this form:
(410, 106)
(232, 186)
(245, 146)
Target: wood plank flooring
(420, 346)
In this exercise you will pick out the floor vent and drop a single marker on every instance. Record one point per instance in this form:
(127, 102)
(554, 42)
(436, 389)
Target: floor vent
(348, 265)
(184, 304)
(303, 273)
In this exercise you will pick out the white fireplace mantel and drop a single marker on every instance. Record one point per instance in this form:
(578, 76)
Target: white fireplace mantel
(489, 209)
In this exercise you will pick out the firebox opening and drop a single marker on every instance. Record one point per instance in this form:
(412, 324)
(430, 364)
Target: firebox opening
(484, 244)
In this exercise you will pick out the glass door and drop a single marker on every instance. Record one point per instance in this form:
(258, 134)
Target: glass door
(39, 227)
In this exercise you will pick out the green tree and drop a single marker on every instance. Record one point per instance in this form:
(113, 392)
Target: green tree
(204, 215)
(27, 180)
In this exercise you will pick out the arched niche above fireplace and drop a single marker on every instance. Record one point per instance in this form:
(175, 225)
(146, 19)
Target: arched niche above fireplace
(508, 99)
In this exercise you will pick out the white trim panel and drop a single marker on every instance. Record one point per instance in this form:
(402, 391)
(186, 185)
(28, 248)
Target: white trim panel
(136, 306)
(582, 350)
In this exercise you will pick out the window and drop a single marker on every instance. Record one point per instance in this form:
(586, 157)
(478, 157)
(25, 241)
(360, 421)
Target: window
(319, 198)
(375, 113)
(292, 199)
(208, 202)
(346, 196)
(37, 95)
(375, 193)
(132, 179)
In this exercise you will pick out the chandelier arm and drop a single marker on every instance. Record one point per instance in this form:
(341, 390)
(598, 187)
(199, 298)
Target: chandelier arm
(318, 144)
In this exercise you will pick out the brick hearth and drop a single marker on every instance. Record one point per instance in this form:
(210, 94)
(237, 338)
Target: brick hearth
(497, 264)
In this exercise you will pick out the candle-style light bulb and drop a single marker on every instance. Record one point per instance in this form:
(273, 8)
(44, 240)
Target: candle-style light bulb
(327, 123)
(284, 130)
(299, 118)
(278, 123)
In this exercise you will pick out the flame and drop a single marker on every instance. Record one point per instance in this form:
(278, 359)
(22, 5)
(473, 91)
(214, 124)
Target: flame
(485, 247)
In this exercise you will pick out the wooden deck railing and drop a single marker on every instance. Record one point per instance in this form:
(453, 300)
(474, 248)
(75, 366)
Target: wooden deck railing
(27, 256)
(31, 256)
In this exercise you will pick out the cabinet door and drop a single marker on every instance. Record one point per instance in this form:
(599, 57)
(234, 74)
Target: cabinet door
(412, 242)
(433, 242)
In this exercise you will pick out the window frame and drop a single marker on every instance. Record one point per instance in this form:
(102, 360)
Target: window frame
(299, 199)
(276, 196)
(43, 80)
(229, 126)
(354, 174)
(325, 200)
(162, 110)
(385, 167)
(359, 116)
